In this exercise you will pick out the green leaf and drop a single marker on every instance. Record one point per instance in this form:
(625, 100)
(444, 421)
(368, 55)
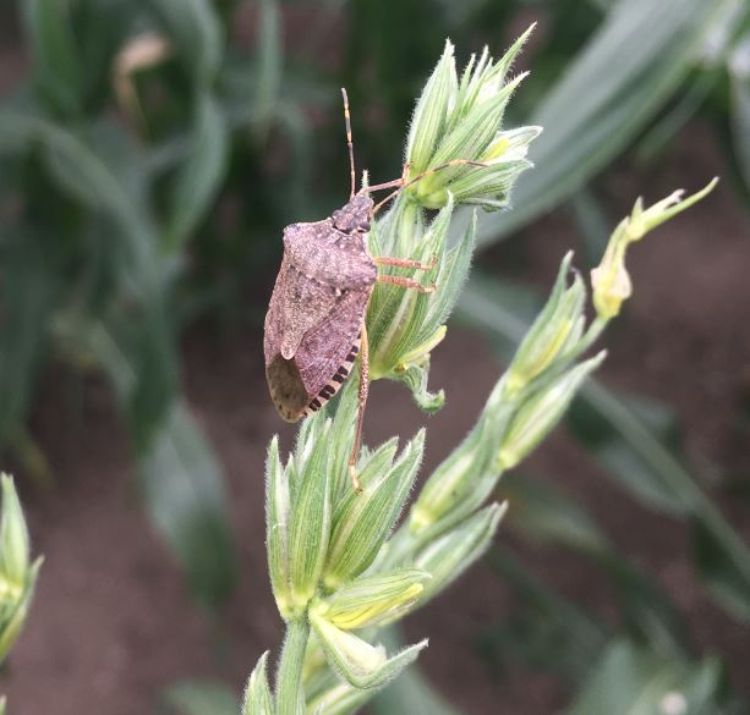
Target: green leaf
(181, 481)
(547, 631)
(84, 176)
(739, 71)
(613, 88)
(633, 681)
(725, 567)
(269, 64)
(196, 30)
(102, 29)
(57, 65)
(630, 450)
(183, 488)
(648, 613)
(593, 224)
(199, 178)
(202, 697)
(30, 291)
(542, 513)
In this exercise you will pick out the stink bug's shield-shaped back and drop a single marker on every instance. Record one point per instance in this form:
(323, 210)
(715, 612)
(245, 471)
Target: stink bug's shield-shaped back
(312, 329)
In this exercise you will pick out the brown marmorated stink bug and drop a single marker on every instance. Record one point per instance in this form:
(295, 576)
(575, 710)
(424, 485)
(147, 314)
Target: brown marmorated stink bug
(315, 325)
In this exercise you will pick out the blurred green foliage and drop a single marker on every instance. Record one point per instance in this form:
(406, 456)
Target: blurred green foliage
(155, 149)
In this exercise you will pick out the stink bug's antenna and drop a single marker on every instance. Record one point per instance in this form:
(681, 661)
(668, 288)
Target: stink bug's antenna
(349, 142)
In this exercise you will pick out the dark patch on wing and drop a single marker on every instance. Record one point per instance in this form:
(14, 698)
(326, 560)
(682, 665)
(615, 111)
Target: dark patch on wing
(287, 389)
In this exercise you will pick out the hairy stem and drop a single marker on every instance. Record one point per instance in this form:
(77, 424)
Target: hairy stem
(290, 697)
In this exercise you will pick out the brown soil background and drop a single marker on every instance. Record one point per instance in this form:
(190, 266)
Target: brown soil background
(112, 623)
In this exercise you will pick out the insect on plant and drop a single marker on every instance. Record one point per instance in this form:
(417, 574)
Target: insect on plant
(315, 325)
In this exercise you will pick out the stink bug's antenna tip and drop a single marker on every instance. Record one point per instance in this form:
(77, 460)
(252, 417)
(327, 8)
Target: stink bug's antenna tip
(349, 142)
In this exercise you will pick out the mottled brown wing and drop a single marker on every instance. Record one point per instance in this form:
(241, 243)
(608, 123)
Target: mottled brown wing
(284, 383)
(273, 326)
(301, 303)
(327, 353)
(323, 360)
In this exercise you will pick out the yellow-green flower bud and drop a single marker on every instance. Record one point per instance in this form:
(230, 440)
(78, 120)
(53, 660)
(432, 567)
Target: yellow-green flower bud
(431, 111)
(277, 528)
(448, 556)
(298, 515)
(462, 482)
(310, 517)
(510, 145)
(610, 279)
(363, 521)
(358, 662)
(541, 412)
(558, 327)
(373, 600)
(17, 575)
(456, 145)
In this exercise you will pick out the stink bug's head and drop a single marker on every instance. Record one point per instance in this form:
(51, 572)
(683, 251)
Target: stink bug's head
(355, 215)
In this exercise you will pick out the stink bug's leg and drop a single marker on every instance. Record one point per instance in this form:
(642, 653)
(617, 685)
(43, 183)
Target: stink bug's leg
(406, 283)
(394, 184)
(440, 167)
(405, 263)
(397, 183)
(384, 201)
(364, 388)
(349, 142)
(404, 184)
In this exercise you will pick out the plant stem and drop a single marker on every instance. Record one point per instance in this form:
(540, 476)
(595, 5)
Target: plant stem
(290, 697)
